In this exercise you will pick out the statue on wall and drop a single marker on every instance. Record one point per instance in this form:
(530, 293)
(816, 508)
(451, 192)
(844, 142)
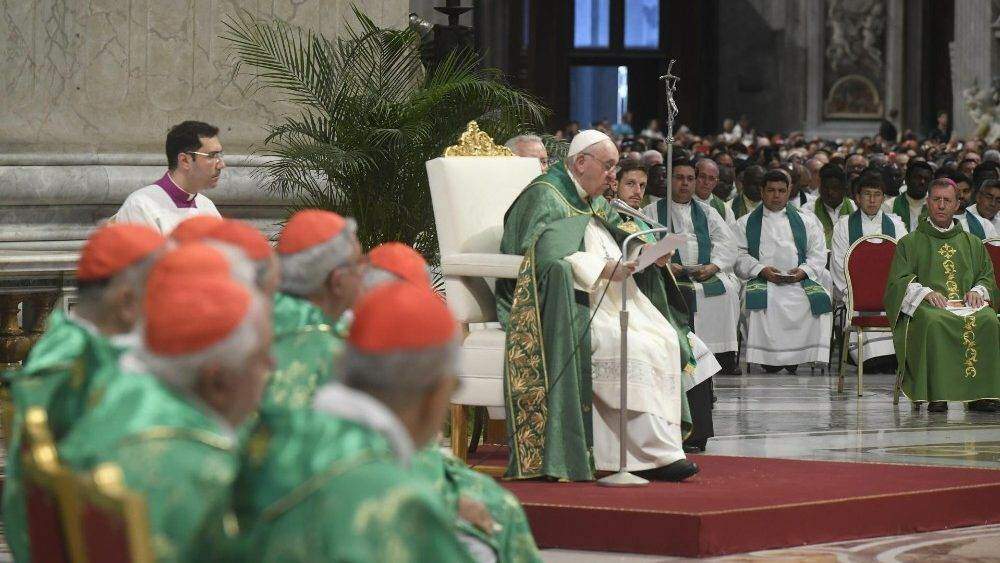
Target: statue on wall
(983, 105)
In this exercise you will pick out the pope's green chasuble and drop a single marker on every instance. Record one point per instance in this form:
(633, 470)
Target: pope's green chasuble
(547, 361)
(65, 373)
(944, 356)
(171, 450)
(305, 349)
(320, 488)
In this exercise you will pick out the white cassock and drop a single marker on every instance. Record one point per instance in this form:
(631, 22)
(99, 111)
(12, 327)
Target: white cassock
(988, 229)
(654, 364)
(729, 218)
(802, 199)
(876, 344)
(974, 209)
(163, 206)
(786, 333)
(810, 206)
(915, 205)
(717, 317)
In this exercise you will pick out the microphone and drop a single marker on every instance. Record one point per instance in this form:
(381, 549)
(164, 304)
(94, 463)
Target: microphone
(627, 209)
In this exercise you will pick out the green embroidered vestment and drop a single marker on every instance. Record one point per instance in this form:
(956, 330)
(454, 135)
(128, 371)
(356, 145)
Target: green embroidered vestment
(943, 356)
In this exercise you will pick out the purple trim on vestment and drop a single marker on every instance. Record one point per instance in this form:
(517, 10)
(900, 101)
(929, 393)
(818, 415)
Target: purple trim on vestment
(181, 198)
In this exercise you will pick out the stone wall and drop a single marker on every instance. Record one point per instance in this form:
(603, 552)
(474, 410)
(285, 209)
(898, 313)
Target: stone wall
(89, 88)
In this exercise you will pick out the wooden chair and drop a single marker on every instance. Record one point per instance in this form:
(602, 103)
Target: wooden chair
(867, 271)
(113, 520)
(48, 488)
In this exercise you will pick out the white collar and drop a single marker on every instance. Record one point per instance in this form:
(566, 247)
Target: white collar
(768, 212)
(706, 200)
(873, 217)
(339, 400)
(579, 189)
(939, 229)
(914, 202)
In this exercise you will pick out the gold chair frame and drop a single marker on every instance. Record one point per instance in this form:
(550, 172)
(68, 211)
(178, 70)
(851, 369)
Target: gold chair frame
(105, 488)
(849, 327)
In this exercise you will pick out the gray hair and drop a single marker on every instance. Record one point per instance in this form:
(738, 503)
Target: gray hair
(648, 157)
(91, 295)
(395, 377)
(991, 155)
(304, 273)
(241, 269)
(181, 372)
(374, 277)
(513, 142)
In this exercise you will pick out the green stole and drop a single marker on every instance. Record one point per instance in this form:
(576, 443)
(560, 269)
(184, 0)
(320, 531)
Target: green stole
(824, 216)
(713, 286)
(740, 206)
(854, 231)
(718, 204)
(756, 289)
(901, 208)
(975, 227)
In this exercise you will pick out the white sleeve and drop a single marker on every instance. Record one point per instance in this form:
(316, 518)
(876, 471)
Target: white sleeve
(723, 245)
(840, 245)
(982, 291)
(746, 267)
(914, 295)
(135, 209)
(815, 249)
(587, 268)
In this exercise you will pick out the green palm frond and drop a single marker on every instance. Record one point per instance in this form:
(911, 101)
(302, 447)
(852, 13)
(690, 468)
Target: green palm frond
(368, 116)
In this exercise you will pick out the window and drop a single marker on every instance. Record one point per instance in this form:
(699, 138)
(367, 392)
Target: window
(642, 24)
(591, 24)
(591, 99)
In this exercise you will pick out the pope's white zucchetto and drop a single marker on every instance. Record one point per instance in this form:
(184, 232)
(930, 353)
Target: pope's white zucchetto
(585, 139)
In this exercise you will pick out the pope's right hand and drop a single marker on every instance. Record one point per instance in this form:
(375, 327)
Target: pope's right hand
(936, 299)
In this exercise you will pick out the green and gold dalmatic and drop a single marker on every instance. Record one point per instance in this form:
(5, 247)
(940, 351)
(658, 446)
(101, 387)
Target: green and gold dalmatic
(942, 356)
(547, 370)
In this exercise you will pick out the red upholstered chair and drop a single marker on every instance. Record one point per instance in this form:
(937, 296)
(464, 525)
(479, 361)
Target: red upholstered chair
(993, 247)
(47, 490)
(114, 521)
(867, 272)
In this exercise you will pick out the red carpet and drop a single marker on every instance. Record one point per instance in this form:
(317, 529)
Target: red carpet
(739, 504)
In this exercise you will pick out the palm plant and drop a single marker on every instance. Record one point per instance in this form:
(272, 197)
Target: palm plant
(368, 116)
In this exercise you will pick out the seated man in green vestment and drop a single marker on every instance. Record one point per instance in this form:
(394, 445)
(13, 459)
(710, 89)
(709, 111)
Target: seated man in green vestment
(940, 287)
(333, 484)
(561, 316)
(64, 371)
(169, 419)
(485, 512)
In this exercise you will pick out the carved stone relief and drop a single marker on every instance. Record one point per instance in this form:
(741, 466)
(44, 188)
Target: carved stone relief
(854, 61)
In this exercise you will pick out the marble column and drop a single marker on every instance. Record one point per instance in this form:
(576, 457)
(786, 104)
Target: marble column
(974, 56)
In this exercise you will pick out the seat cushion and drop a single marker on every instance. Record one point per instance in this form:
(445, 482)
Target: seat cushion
(481, 369)
(870, 321)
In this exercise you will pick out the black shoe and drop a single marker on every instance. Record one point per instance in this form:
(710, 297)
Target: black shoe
(937, 406)
(693, 449)
(771, 369)
(984, 405)
(791, 369)
(676, 471)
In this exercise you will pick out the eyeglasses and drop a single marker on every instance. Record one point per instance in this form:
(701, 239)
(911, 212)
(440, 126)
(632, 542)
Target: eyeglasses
(613, 167)
(214, 155)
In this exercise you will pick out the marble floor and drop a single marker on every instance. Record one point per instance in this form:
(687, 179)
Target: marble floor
(803, 417)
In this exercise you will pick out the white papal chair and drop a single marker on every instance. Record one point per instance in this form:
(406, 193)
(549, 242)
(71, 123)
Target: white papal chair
(471, 188)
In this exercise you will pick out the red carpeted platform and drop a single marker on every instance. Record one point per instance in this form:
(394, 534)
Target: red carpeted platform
(739, 504)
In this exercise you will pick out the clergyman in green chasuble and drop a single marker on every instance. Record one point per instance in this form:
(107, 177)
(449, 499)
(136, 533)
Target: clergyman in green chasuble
(548, 373)
(943, 356)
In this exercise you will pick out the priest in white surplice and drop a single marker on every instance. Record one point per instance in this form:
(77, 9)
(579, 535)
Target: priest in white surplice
(869, 219)
(194, 164)
(571, 191)
(705, 262)
(782, 256)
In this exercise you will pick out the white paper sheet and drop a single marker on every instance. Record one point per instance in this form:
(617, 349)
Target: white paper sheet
(651, 254)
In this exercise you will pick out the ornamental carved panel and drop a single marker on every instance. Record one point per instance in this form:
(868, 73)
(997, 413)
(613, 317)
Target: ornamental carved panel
(854, 59)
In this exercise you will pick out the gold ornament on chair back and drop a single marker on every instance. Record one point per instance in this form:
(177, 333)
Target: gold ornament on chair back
(475, 142)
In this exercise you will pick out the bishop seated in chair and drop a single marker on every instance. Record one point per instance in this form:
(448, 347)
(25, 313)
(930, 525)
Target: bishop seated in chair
(561, 373)
(940, 289)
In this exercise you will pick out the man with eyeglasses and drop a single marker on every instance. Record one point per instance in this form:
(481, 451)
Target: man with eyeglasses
(563, 337)
(194, 164)
(869, 219)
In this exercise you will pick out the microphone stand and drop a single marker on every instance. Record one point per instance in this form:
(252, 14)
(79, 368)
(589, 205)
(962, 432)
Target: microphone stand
(623, 478)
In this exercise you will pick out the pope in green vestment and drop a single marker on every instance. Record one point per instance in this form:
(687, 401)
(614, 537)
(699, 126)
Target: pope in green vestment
(65, 373)
(943, 356)
(173, 451)
(547, 371)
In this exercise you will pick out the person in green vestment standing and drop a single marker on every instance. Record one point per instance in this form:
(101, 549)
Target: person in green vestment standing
(938, 300)
(562, 356)
(485, 512)
(67, 366)
(334, 484)
(832, 203)
(169, 419)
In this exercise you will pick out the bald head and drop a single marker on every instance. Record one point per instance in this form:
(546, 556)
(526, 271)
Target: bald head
(706, 178)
